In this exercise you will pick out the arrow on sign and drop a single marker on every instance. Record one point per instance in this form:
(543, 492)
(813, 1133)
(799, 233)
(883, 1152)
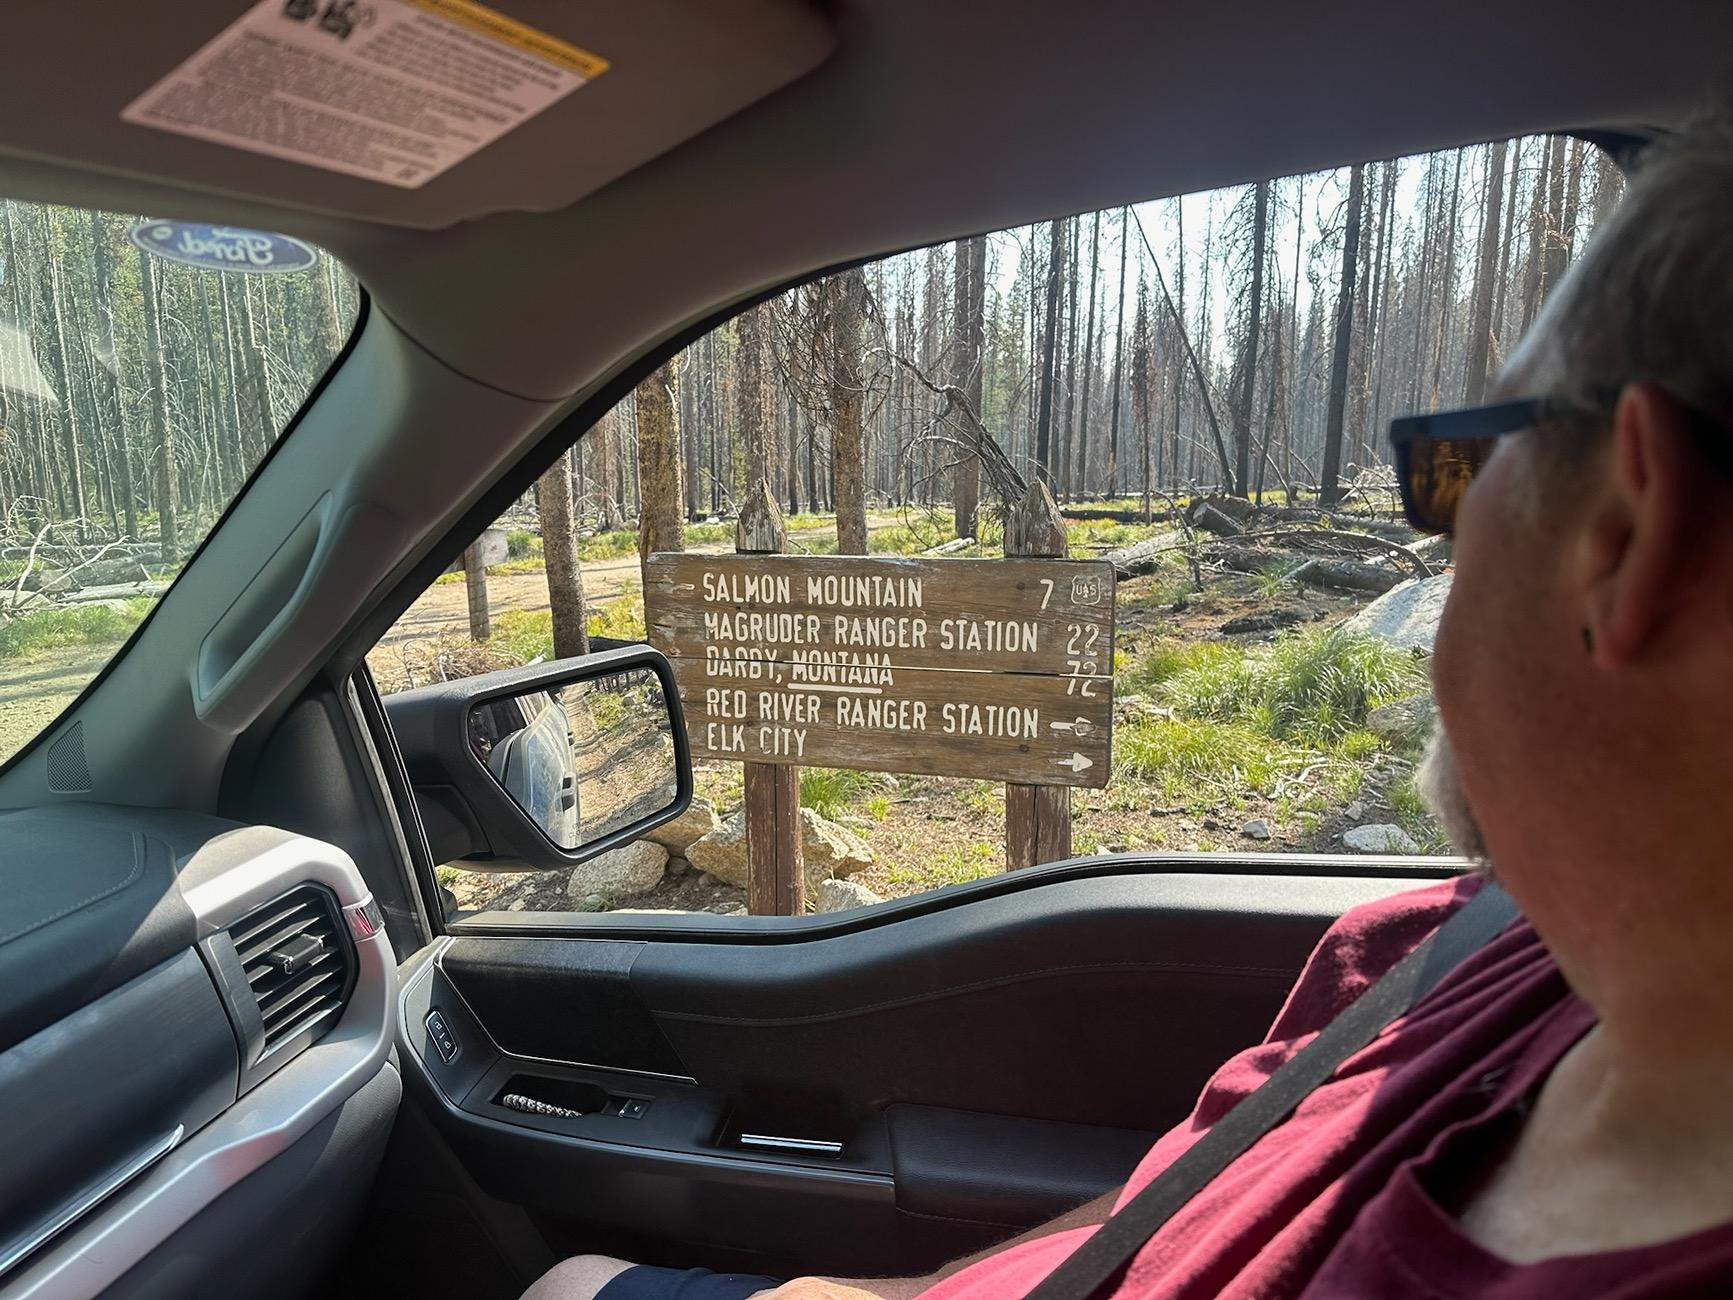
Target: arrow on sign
(1081, 727)
(1077, 762)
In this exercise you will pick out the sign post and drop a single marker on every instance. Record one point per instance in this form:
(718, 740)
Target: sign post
(776, 877)
(1038, 817)
(996, 669)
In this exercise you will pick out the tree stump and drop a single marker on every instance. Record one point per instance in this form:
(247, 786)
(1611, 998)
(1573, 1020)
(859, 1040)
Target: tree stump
(775, 875)
(1037, 817)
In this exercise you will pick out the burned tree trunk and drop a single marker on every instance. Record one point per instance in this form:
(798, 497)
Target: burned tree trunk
(1331, 492)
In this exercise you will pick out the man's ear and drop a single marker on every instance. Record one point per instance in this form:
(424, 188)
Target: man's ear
(1646, 535)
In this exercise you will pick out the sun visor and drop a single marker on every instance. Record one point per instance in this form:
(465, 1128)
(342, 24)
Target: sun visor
(410, 112)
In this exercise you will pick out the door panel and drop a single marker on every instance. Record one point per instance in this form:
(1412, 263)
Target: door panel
(980, 1066)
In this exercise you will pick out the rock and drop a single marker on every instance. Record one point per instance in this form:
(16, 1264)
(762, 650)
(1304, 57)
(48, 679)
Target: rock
(841, 895)
(1403, 719)
(690, 826)
(1406, 616)
(837, 849)
(678, 866)
(828, 850)
(1380, 837)
(729, 909)
(721, 854)
(1435, 550)
(855, 822)
(1354, 811)
(1257, 828)
(634, 868)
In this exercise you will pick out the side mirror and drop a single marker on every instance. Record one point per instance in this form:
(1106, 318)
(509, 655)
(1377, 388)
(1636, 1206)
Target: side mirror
(543, 767)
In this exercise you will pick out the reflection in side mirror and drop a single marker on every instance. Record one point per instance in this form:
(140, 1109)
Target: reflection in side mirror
(583, 760)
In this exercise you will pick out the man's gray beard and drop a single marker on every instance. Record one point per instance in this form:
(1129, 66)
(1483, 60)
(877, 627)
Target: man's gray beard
(1442, 790)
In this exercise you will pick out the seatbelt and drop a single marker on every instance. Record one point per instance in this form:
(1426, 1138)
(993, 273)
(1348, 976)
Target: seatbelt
(1090, 1270)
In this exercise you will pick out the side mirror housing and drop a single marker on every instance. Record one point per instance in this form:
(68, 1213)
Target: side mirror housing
(536, 768)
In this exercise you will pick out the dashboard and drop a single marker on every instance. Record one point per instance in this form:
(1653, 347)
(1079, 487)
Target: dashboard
(196, 1073)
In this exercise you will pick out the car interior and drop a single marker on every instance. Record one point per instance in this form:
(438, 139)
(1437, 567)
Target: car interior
(244, 1051)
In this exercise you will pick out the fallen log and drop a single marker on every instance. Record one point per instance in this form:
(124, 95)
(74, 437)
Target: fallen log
(1346, 575)
(111, 591)
(1211, 520)
(1140, 557)
(1247, 559)
(951, 547)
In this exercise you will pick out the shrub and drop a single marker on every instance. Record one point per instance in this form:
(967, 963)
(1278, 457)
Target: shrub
(521, 544)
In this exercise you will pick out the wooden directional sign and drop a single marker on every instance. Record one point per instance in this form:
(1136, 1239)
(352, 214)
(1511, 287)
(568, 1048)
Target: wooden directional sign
(1001, 669)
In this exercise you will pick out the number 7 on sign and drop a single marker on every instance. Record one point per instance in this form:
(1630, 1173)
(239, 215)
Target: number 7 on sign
(1046, 595)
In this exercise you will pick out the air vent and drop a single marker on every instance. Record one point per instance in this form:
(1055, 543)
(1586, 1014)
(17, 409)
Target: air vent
(297, 962)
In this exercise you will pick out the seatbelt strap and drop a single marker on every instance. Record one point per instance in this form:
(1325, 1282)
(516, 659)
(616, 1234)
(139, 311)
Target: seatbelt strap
(1102, 1260)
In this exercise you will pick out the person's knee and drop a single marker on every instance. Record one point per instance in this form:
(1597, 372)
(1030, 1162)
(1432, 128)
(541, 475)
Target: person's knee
(577, 1278)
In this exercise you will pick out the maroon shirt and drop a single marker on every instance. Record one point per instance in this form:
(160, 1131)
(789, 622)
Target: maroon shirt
(1338, 1201)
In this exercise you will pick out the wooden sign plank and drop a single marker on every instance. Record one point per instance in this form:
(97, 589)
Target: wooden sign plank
(990, 668)
(1005, 616)
(1041, 730)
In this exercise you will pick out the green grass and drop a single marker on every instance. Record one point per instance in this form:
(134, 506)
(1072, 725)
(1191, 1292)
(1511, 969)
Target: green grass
(520, 544)
(1413, 816)
(1247, 717)
(524, 633)
(1165, 660)
(70, 626)
(621, 618)
(948, 867)
(608, 546)
(1193, 761)
(1311, 687)
(828, 791)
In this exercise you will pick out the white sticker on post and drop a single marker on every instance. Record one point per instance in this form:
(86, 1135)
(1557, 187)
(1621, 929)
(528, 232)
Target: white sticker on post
(392, 90)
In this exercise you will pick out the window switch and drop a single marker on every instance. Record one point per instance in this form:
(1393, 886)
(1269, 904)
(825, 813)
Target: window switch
(443, 1041)
(633, 1107)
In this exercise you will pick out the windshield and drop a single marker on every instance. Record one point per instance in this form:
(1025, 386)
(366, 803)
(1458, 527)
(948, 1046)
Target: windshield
(146, 367)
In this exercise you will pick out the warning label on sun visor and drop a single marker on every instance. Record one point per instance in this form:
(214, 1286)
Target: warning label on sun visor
(391, 90)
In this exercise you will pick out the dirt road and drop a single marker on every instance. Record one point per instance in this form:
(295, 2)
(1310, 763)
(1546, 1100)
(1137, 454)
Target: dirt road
(443, 609)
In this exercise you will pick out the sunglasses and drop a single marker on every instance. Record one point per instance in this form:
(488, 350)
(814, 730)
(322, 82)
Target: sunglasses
(1437, 455)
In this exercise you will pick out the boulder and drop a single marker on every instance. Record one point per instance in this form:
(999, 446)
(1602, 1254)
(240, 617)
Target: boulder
(826, 848)
(1406, 616)
(634, 868)
(1408, 719)
(841, 895)
(1380, 837)
(839, 849)
(685, 830)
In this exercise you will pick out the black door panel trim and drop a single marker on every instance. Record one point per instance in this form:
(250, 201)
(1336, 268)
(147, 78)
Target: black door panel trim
(704, 927)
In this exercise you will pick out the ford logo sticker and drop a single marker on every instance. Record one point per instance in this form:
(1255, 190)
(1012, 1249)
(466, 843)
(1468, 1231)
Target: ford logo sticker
(223, 248)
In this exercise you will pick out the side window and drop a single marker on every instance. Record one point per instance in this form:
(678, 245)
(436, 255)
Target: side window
(1203, 383)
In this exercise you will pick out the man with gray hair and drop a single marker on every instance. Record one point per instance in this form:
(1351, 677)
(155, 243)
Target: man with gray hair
(1552, 1117)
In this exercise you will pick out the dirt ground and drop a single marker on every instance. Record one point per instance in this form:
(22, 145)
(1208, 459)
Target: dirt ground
(38, 687)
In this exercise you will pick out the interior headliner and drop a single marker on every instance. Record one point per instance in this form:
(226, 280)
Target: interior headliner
(927, 122)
